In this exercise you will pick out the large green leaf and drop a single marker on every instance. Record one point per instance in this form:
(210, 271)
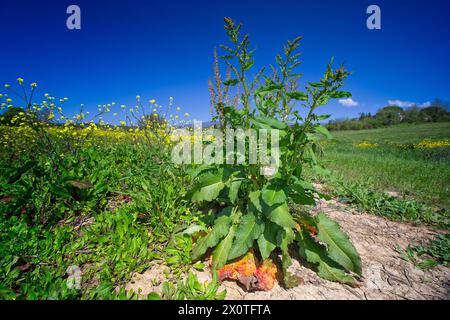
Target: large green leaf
(189, 229)
(209, 187)
(233, 190)
(284, 238)
(300, 195)
(324, 131)
(220, 255)
(340, 249)
(326, 271)
(220, 229)
(255, 201)
(273, 194)
(249, 229)
(303, 198)
(200, 170)
(316, 253)
(268, 123)
(267, 241)
(279, 214)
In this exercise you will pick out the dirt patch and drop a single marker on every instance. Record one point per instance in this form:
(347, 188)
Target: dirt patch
(149, 281)
(385, 274)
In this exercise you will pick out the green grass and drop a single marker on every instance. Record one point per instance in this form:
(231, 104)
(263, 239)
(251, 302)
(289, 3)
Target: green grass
(41, 213)
(407, 133)
(393, 165)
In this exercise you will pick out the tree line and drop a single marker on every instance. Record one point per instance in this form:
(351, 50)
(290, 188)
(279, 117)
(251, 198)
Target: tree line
(437, 111)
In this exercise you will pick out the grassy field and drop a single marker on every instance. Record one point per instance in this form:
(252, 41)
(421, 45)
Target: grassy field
(412, 161)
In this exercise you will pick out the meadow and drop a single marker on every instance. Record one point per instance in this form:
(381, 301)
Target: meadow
(409, 160)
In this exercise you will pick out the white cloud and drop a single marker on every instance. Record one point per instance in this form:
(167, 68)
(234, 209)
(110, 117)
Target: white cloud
(407, 104)
(349, 102)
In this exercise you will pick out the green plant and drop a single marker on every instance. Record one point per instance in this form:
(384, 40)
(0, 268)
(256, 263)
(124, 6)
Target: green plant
(249, 206)
(192, 289)
(436, 252)
(178, 253)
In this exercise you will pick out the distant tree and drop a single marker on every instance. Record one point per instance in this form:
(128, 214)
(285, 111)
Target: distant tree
(390, 115)
(363, 115)
(441, 103)
(412, 114)
(437, 111)
(371, 123)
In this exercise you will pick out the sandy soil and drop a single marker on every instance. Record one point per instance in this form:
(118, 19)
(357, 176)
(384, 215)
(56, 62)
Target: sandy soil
(385, 274)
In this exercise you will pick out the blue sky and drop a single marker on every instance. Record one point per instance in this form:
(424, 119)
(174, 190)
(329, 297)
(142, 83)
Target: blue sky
(159, 49)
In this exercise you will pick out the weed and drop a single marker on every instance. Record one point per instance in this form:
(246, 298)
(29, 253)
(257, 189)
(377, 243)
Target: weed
(192, 289)
(250, 207)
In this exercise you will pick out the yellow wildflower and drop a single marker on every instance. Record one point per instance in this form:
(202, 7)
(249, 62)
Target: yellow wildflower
(431, 144)
(366, 145)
